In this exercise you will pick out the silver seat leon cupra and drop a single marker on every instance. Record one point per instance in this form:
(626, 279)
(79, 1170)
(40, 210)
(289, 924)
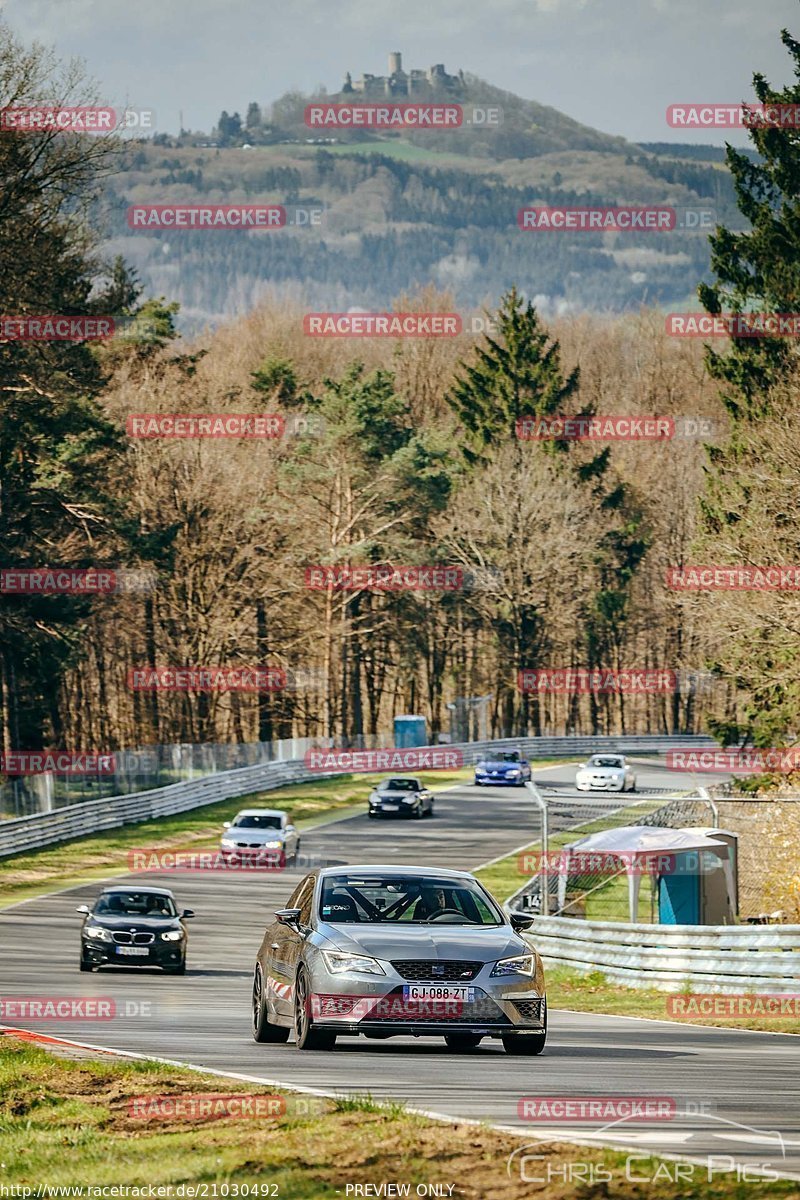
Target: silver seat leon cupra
(382, 951)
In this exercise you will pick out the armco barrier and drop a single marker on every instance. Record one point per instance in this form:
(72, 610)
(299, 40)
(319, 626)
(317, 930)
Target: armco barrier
(712, 958)
(92, 816)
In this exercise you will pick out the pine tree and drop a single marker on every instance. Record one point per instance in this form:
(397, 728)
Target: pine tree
(759, 269)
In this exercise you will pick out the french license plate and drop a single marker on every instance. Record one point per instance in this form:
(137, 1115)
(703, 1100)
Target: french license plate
(389, 807)
(438, 991)
(134, 951)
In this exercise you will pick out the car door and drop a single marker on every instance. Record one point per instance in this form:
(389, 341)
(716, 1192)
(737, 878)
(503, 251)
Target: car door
(284, 950)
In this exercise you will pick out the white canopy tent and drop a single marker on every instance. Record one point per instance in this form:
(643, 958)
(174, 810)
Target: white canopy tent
(633, 846)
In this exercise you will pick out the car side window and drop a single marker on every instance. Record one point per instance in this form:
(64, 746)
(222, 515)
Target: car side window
(304, 899)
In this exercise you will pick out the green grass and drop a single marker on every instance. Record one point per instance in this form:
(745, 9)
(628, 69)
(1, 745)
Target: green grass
(90, 858)
(593, 992)
(67, 1122)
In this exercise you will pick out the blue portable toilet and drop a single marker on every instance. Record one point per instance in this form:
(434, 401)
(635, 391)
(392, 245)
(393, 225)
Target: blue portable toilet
(410, 731)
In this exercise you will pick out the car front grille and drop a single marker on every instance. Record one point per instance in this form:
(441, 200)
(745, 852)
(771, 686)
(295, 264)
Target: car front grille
(427, 970)
(133, 939)
(529, 1010)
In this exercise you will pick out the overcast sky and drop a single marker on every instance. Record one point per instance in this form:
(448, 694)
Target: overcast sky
(613, 64)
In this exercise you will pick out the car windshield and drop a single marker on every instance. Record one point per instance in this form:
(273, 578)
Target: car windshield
(135, 904)
(399, 785)
(509, 756)
(257, 821)
(391, 899)
(604, 760)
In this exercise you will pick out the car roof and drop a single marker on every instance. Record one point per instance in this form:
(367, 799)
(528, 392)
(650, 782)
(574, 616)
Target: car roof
(261, 812)
(157, 891)
(398, 776)
(392, 868)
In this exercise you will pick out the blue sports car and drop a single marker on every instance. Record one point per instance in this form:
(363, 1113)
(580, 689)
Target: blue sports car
(506, 766)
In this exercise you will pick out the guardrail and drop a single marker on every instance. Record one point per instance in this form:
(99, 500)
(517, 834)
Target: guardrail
(92, 816)
(726, 958)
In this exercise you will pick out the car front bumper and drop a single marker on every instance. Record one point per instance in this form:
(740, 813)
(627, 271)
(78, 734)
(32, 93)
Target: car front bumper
(499, 780)
(160, 954)
(398, 810)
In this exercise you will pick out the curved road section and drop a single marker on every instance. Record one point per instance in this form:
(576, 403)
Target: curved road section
(736, 1093)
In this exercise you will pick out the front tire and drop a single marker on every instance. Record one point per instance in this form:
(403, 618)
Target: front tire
(180, 969)
(86, 966)
(306, 1036)
(263, 1029)
(526, 1044)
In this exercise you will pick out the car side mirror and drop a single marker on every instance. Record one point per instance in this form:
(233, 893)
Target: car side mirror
(289, 829)
(288, 916)
(187, 912)
(226, 824)
(521, 920)
(83, 908)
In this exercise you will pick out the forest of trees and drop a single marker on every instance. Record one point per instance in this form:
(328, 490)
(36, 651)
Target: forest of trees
(411, 458)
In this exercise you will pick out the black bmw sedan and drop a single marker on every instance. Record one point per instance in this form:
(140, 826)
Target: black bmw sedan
(134, 927)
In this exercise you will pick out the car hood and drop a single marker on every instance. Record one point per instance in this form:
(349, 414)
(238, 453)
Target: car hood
(386, 794)
(253, 835)
(139, 924)
(491, 765)
(453, 941)
(600, 770)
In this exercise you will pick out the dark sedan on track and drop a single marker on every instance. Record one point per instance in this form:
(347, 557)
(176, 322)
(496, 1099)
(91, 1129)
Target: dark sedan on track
(401, 796)
(134, 927)
(382, 951)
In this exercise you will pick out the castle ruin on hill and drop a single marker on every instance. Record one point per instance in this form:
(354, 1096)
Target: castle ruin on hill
(400, 84)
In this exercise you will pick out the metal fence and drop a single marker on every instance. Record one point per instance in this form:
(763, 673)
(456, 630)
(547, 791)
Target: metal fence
(90, 816)
(730, 958)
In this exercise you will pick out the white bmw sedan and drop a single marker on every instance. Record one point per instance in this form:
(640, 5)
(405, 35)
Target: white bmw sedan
(606, 773)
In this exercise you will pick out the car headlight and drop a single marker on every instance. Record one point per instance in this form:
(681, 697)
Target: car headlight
(97, 931)
(410, 799)
(271, 845)
(229, 842)
(172, 935)
(339, 962)
(523, 964)
(512, 774)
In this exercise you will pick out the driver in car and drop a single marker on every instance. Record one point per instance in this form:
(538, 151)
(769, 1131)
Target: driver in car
(431, 902)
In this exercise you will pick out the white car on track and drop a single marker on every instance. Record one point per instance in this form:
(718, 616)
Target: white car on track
(606, 773)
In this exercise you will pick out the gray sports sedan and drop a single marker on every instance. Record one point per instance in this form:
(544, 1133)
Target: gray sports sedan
(382, 951)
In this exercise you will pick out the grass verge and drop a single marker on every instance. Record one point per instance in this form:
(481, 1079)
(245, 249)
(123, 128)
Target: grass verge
(67, 1121)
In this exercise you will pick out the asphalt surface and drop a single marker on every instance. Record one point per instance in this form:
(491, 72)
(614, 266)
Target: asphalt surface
(737, 1093)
